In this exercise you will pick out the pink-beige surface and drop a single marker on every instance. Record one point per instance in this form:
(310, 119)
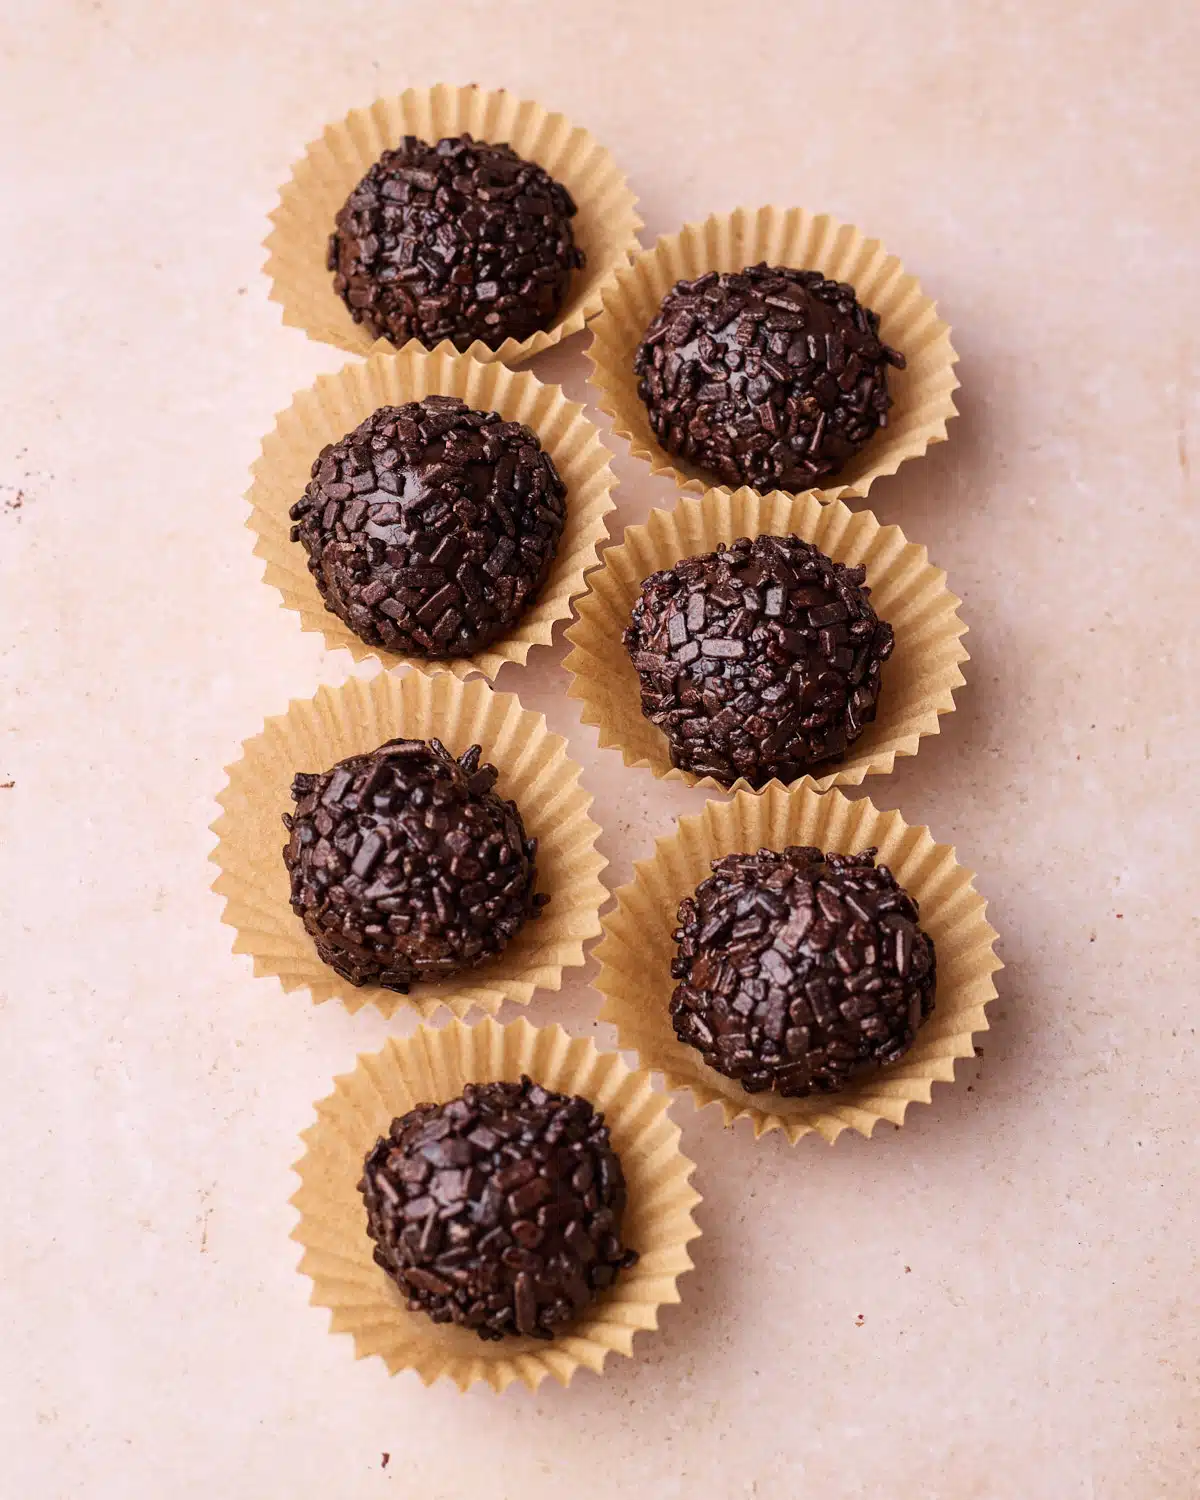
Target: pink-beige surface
(997, 1302)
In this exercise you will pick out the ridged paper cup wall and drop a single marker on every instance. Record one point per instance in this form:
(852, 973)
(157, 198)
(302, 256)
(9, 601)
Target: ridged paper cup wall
(433, 1066)
(337, 403)
(919, 679)
(314, 734)
(922, 393)
(637, 949)
(605, 227)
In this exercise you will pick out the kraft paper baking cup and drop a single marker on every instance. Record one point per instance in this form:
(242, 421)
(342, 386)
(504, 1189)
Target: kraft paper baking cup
(637, 948)
(431, 1067)
(919, 678)
(605, 226)
(337, 403)
(923, 393)
(313, 735)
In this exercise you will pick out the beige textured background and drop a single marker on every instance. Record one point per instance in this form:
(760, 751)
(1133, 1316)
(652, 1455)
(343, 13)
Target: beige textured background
(998, 1302)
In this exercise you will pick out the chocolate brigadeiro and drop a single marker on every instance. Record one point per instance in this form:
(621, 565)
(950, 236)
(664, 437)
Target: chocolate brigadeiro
(768, 377)
(797, 969)
(461, 241)
(431, 527)
(500, 1211)
(761, 659)
(406, 866)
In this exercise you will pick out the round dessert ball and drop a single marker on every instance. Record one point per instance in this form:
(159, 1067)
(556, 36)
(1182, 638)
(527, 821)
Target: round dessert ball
(797, 969)
(461, 241)
(406, 866)
(768, 377)
(500, 1211)
(762, 659)
(431, 527)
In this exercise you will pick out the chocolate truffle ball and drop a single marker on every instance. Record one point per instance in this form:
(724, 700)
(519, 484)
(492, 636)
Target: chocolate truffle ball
(431, 527)
(406, 866)
(500, 1211)
(460, 241)
(768, 377)
(761, 659)
(797, 969)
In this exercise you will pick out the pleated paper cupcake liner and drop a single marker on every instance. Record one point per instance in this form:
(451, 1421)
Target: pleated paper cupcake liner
(605, 226)
(919, 679)
(637, 949)
(535, 771)
(337, 403)
(922, 393)
(434, 1066)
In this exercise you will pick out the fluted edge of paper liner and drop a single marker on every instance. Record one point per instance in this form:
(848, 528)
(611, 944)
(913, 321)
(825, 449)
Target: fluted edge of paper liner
(923, 393)
(636, 951)
(434, 1065)
(919, 679)
(606, 225)
(314, 734)
(336, 403)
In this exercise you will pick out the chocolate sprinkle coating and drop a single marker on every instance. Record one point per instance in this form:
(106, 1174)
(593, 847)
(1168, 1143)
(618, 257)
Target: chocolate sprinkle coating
(461, 241)
(769, 377)
(798, 969)
(406, 866)
(431, 527)
(762, 659)
(500, 1211)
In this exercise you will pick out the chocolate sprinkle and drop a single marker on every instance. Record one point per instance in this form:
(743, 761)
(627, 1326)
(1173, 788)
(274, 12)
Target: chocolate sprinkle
(762, 659)
(406, 866)
(460, 241)
(500, 1211)
(431, 527)
(798, 969)
(769, 377)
